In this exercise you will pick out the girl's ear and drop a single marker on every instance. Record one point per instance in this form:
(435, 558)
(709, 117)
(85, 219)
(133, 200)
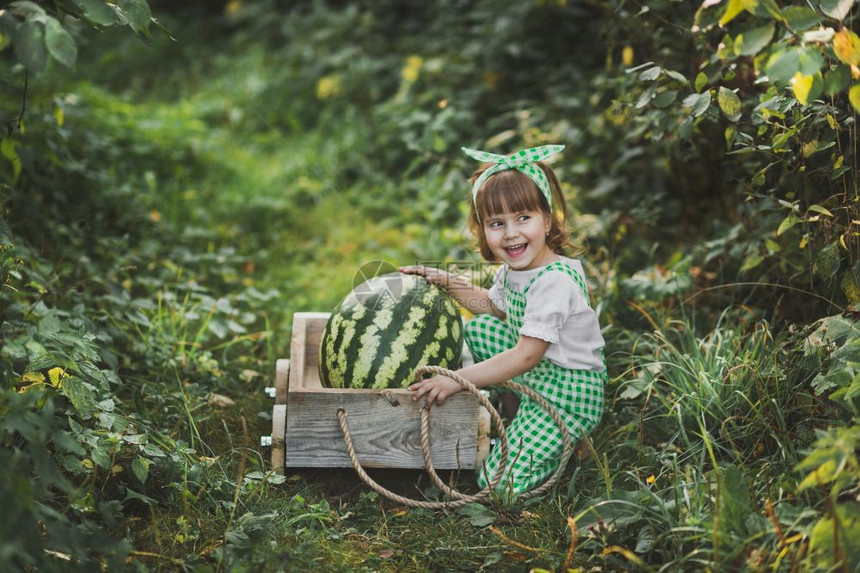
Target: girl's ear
(547, 223)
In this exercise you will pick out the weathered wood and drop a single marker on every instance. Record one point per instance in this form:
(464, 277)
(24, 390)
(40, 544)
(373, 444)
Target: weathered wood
(279, 425)
(385, 426)
(305, 349)
(282, 377)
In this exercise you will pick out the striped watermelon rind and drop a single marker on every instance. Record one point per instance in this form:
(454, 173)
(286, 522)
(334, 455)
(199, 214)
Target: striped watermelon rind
(385, 329)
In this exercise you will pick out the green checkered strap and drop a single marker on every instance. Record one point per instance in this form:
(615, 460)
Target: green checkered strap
(566, 269)
(556, 266)
(524, 161)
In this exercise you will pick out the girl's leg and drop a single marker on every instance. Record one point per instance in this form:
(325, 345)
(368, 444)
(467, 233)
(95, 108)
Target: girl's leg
(535, 441)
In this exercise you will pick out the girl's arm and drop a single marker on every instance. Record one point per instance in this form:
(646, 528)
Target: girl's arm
(504, 366)
(473, 298)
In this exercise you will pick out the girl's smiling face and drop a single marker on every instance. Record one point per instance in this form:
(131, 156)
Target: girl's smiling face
(519, 239)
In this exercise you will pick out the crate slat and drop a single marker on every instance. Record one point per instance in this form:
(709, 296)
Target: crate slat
(386, 430)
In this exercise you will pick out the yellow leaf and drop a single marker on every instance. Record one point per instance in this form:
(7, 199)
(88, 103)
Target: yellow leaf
(801, 85)
(412, 68)
(854, 96)
(58, 114)
(232, 7)
(116, 469)
(627, 56)
(56, 374)
(809, 147)
(821, 475)
(734, 8)
(87, 463)
(33, 377)
(328, 86)
(846, 45)
(850, 288)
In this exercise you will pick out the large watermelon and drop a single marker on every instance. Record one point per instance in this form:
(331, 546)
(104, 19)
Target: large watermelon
(387, 327)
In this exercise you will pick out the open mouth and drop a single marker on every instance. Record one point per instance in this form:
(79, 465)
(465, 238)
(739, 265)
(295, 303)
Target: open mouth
(516, 250)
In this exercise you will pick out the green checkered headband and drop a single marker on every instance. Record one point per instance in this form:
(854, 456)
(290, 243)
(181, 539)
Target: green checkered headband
(523, 161)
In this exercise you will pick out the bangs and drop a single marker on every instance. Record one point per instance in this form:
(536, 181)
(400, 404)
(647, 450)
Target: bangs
(509, 192)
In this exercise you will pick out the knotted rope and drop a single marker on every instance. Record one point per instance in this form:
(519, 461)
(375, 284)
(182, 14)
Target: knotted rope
(459, 498)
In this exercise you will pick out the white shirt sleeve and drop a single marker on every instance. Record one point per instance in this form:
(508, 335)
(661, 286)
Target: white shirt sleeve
(497, 291)
(552, 299)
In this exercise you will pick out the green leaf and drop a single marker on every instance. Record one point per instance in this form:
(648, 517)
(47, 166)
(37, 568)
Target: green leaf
(766, 8)
(678, 77)
(751, 42)
(730, 103)
(81, 395)
(787, 224)
(836, 9)
(60, 43)
(701, 81)
(479, 515)
(827, 261)
(101, 457)
(829, 534)
(27, 9)
(837, 80)
(820, 209)
(650, 74)
(701, 104)
(782, 65)
(854, 97)
(137, 13)
(735, 500)
(752, 261)
(140, 469)
(30, 46)
(800, 18)
(98, 12)
(665, 98)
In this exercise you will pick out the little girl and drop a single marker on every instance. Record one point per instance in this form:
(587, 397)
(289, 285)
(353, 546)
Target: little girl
(535, 324)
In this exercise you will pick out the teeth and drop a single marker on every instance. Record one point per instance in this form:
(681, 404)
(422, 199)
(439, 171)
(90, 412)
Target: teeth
(515, 247)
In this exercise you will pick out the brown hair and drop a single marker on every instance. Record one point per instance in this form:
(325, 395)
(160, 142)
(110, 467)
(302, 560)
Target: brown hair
(510, 191)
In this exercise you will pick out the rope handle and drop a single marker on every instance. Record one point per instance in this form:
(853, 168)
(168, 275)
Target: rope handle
(462, 499)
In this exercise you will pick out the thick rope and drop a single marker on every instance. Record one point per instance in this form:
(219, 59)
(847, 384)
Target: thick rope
(461, 499)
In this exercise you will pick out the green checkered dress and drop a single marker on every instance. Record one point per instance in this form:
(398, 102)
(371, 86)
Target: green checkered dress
(535, 440)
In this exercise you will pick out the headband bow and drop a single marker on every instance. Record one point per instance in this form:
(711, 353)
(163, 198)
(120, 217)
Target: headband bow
(523, 161)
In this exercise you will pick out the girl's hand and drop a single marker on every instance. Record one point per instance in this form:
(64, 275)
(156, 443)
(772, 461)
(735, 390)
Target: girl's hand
(437, 389)
(432, 274)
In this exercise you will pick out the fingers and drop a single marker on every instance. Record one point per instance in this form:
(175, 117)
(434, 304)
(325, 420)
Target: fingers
(418, 270)
(432, 274)
(431, 388)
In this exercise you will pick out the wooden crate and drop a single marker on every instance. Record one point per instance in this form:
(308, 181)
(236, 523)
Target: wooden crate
(385, 424)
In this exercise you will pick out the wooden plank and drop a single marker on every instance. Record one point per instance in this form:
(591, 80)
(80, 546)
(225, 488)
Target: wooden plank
(386, 429)
(304, 349)
(282, 375)
(279, 423)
